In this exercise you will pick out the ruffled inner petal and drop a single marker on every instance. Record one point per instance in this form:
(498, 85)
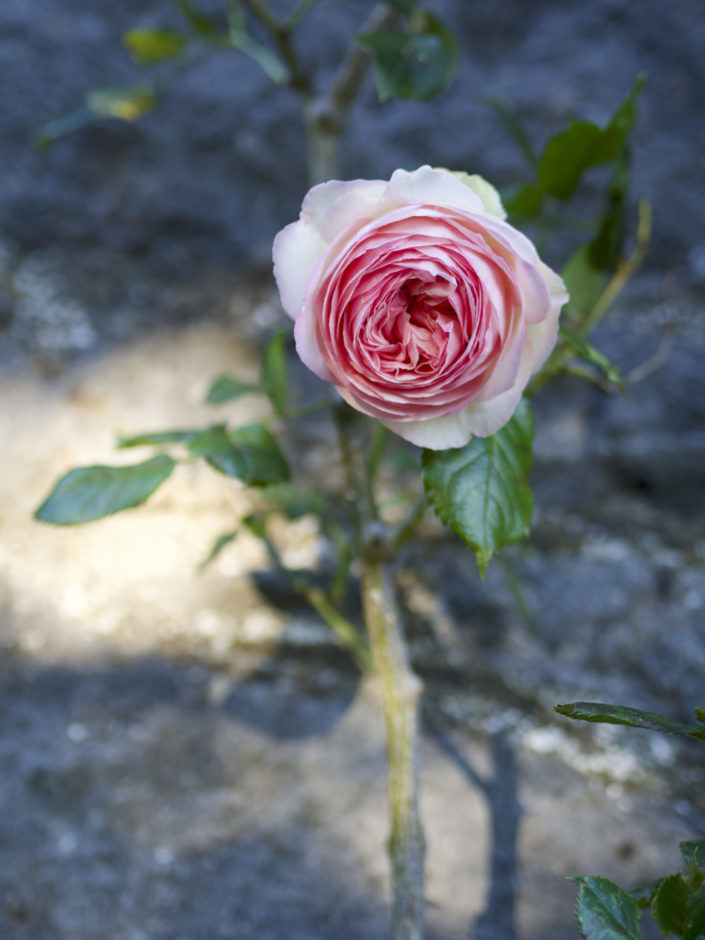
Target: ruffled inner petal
(420, 313)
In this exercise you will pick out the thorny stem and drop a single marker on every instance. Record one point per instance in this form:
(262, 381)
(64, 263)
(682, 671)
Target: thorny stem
(400, 688)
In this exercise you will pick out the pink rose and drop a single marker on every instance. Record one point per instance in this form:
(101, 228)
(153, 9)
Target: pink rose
(418, 301)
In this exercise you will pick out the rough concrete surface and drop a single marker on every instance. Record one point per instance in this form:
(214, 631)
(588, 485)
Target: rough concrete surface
(188, 756)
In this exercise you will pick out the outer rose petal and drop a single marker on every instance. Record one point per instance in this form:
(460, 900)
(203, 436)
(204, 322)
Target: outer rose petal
(488, 194)
(418, 301)
(477, 419)
(296, 250)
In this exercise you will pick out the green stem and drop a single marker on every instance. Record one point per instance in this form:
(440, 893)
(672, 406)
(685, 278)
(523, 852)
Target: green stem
(346, 631)
(314, 408)
(400, 687)
(405, 528)
(625, 270)
(401, 692)
(298, 13)
(348, 634)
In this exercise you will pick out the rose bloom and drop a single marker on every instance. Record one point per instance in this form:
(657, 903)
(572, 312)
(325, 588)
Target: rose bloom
(416, 299)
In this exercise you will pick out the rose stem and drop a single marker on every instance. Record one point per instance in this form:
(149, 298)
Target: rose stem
(324, 114)
(625, 270)
(401, 691)
(400, 687)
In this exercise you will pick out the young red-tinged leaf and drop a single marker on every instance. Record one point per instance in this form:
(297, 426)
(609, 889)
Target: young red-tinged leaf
(482, 490)
(88, 493)
(605, 911)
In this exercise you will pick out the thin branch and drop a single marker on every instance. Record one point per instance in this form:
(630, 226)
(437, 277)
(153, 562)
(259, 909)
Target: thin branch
(299, 79)
(260, 9)
(347, 632)
(625, 270)
(298, 13)
(655, 362)
(583, 372)
(405, 528)
(353, 68)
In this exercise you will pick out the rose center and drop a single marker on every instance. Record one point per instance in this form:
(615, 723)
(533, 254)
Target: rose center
(410, 330)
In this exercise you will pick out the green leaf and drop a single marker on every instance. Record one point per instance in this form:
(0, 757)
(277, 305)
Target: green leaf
(62, 126)
(624, 118)
(632, 717)
(250, 454)
(514, 128)
(482, 490)
(525, 201)
(418, 62)
(126, 104)
(403, 6)
(568, 154)
(644, 895)
(605, 911)
(700, 714)
(149, 46)
(695, 920)
(216, 548)
(154, 438)
(669, 906)
(227, 388)
(196, 19)
(583, 282)
(256, 522)
(273, 377)
(606, 248)
(210, 441)
(583, 144)
(88, 493)
(268, 61)
(588, 352)
(264, 462)
(693, 853)
(293, 502)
